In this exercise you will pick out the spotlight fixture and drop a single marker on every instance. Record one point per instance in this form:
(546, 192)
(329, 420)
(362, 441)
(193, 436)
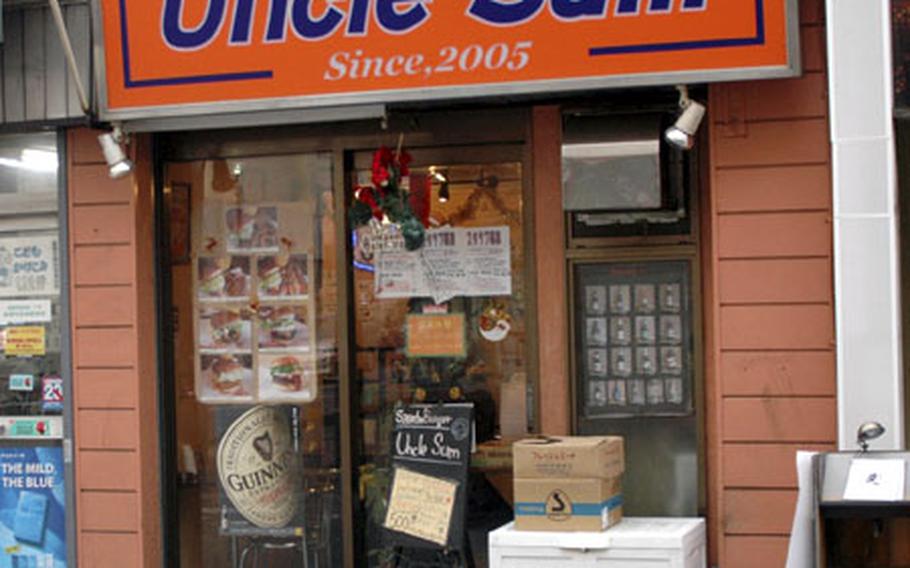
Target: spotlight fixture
(682, 134)
(119, 165)
(867, 432)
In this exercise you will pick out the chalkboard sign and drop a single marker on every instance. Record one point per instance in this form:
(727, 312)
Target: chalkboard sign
(431, 449)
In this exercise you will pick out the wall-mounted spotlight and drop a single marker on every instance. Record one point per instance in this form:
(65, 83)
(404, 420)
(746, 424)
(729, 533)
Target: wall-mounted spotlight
(682, 134)
(867, 432)
(119, 165)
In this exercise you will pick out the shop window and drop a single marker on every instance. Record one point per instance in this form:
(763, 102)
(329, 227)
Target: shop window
(253, 284)
(33, 360)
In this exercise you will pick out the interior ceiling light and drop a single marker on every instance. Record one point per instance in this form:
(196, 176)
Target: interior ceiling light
(118, 164)
(682, 134)
(34, 160)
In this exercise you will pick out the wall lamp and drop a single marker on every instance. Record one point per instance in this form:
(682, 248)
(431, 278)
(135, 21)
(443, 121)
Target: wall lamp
(682, 134)
(111, 144)
(867, 432)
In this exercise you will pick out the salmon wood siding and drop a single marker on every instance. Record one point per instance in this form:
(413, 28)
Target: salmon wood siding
(112, 280)
(769, 300)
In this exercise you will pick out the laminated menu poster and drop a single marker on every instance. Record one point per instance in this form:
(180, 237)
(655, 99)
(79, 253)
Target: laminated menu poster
(32, 507)
(28, 267)
(453, 262)
(431, 449)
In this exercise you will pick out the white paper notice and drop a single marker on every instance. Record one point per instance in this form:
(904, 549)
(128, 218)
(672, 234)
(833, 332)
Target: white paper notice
(453, 262)
(28, 267)
(875, 480)
(18, 312)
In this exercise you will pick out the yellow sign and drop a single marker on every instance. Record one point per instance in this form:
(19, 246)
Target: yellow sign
(435, 335)
(25, 341)
(421, 506)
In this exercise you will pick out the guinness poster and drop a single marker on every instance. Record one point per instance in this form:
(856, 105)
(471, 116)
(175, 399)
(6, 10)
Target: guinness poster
(259, 472)
(431, 449)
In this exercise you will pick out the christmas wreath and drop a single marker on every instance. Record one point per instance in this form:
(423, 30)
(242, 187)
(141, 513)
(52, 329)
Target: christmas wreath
(386, 201)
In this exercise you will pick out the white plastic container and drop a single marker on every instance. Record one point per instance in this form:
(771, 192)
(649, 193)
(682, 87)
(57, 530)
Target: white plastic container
(635, 542)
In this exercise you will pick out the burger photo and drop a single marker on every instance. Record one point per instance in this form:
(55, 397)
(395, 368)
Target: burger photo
(212, 278)
(269, 276)
(227, 375)
(287, 373)
(226, 328)
(241, 222)
(279, 326)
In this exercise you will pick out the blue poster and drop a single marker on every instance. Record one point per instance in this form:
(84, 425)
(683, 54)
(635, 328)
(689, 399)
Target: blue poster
(32, 508)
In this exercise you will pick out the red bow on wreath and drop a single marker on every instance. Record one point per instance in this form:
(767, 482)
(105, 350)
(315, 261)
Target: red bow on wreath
(386, 198)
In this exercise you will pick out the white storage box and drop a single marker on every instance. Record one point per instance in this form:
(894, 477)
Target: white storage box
(635, 542)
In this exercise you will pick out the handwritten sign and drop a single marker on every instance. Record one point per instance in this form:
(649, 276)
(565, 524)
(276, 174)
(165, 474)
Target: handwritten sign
(28, 267)
(472, 261)
(435, 335)
(421, 506)
(25, 341)
(431, 448)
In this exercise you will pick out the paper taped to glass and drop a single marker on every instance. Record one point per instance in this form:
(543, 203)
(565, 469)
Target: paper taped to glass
(421, 506)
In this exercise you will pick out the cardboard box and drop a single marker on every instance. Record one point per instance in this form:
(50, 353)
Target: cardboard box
(569, 456)
(567, 504)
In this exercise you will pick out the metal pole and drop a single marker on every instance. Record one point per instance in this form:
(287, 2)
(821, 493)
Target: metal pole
(70, 56)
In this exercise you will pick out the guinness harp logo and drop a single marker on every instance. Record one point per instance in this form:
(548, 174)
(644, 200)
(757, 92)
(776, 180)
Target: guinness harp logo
(263, 446)
(257, 467)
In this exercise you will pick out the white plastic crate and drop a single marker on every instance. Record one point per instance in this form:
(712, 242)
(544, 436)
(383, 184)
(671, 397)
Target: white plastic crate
(635, 542)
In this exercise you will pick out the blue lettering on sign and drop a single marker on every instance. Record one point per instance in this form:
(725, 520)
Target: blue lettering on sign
(578, 9)
(694, 4)
(357, 21)
(627, 7)
(186, 39)
(313, 29)
(277, 23)
(397, 22)
(501, 13)
(243, 22)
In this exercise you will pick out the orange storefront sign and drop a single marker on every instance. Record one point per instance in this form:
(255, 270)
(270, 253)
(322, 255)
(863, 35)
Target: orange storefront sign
(172, 57)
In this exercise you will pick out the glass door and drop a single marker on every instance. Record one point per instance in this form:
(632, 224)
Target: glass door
(253, 277)
(446, 323)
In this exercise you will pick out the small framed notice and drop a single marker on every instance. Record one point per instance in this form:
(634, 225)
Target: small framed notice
(875, 480)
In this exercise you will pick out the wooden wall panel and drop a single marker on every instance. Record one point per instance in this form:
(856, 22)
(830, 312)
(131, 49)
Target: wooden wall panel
(106, 388)
(774, 235)
(109, 550)
(769, 301)
(783, 419)
(784, 188)
(106, 511)
(103, 306)
(555, 400)
(769, 466)
(775, 281)
(758, 512)
(756, 551)
(116, 421)
(108, 470)
(792, 326)
(784, 373)
(109, 429)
